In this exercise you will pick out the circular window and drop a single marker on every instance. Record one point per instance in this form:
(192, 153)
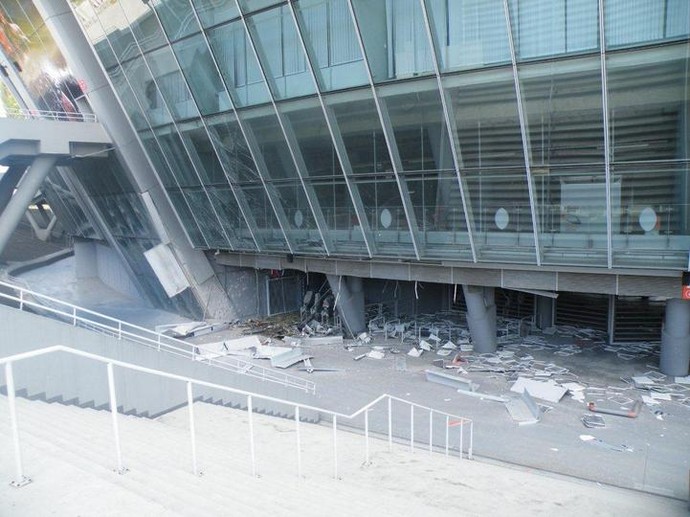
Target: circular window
(299, 218)
(647, 219)
(386, 218)
(502, 218)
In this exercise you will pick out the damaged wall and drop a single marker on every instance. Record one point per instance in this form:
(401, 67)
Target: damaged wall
(430, 297)
(245, 289)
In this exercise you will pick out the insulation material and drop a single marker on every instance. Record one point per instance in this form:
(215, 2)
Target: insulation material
(543, 390)
(168, 271)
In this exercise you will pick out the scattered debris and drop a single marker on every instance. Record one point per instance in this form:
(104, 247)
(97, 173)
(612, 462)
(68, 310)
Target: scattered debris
(414, 352)
(593, 421)
(324, 340)
(600, 443)
(192, 329)
(629, 413)
(376, 354)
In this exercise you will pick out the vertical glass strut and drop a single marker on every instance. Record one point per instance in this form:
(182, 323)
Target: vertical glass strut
(252, 149)
(390, 142)
(342, 158)
(247, 221)
(294, 153)
(607, 155)
(165, 102)
(165, 157)
(525, 135)
(457, 157)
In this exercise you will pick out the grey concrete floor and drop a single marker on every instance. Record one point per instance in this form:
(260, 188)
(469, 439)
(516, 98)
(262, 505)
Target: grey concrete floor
(659, 463)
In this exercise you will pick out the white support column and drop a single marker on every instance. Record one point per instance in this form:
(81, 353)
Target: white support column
(675, 339)
(16, 207)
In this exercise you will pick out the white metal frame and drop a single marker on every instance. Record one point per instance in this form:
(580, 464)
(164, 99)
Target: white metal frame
(21, 479)
(85, 318)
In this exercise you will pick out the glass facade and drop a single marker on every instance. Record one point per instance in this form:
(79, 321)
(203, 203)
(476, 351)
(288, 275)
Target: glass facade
(511, 131)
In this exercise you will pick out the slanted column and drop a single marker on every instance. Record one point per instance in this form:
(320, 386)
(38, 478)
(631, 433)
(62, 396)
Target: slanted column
(481, 317)
(8, 183)
(350, 301)
(675, 339)
(17, 205)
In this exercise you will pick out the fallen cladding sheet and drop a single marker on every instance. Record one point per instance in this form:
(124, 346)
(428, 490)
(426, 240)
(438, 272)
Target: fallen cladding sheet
(524, 410)
(544, 390)
(287, 359)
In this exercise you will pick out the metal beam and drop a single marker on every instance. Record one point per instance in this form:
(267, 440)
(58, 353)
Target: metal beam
(607, 142)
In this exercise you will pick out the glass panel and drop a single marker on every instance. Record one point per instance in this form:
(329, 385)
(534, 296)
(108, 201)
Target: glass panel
(176, 156)
(331, 41)
(416, 116)
(634, 22)
(230, 143)
(271, 144)
(563, 106)
(182, 209)
(205, 217)
(231, 217)
(129, 101)
(395, 39)
(201, 74)
(255, 5)
(652, 218)
(281, 53)
(116, 28)
(94, 33)
(648, 104)
(238, 65)
(213, 12)
(158, 159)
(171, 83)
(205, 160)
(486, 118)
(269, 232)
(301, 226)
(384, 210)
(437, 205)
(571, 202)
(141, 21)
(650, 154)
(341, 219)
(177, 18)
(306, 121)
(501, 211)
(469, 33)
(361, 131)
(551, 27)
(147, 92)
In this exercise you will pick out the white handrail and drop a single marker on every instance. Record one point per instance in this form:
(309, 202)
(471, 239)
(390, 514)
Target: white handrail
(143, 336)
(190, 382)
(68, 116)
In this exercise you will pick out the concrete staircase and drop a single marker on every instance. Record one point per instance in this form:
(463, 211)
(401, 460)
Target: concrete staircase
(69, 454)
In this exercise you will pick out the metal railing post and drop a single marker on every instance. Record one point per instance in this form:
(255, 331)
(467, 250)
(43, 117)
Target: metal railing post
(21, 300)
(447, 429)
(113, 415)
(431, 430)
(335, 447)
(462, 440)
(119, 330)
(390, 424)
(192, 433)
(469, 452)
(366, 437)
(74, 316)
(21, 479)
(411, 428)
(299, 444)
(251, 433)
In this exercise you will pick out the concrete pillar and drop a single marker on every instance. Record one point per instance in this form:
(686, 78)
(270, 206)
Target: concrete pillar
(675, 339)
(85, 259)
(20, 201)
(544, 312)
(350, 301)
(481, 317)
(8, 183)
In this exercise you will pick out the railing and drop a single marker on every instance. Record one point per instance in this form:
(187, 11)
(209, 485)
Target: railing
(451, 421)
(94, 321)
(69, 116)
